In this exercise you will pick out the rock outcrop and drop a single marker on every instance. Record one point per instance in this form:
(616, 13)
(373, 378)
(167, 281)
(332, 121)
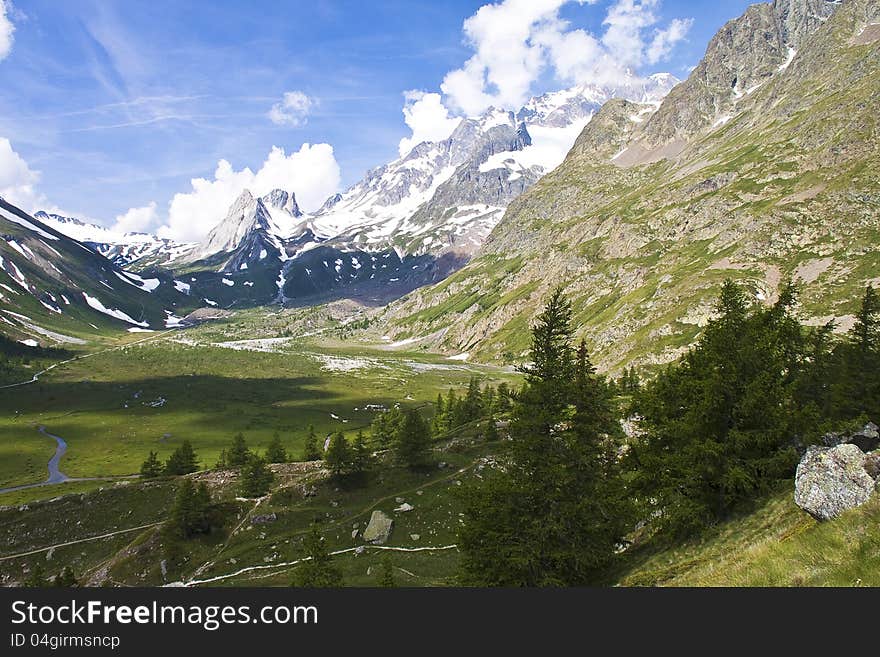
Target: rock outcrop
(831, 480)
(379, 528)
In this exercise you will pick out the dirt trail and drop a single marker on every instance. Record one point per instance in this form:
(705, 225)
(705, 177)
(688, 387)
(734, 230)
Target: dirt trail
(36, 377)
(76, 542)
(290, 564)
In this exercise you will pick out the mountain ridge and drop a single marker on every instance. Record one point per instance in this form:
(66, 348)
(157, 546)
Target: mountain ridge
(642, 245)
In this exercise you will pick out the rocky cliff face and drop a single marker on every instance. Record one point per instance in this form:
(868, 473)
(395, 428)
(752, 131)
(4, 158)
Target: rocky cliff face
(762, 166)
(741, 57)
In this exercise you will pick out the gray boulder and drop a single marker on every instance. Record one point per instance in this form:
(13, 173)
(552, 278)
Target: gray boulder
(872, 466)
(832, 480)
(379, 529)
(866, 439)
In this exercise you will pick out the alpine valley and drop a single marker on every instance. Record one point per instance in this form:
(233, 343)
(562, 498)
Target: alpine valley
(407, 304)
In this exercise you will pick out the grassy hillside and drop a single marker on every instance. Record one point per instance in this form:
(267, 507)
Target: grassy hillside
(786, 186)
(775, 545)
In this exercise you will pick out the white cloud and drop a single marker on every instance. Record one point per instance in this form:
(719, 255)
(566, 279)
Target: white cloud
(137, 220)
(6, 29)
(516, 41)
(428, 119)
(293, 109)
(312, 173)
(665, 40)
(17, 180)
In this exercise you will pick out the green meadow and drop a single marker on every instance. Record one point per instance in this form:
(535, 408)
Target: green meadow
(205, 385)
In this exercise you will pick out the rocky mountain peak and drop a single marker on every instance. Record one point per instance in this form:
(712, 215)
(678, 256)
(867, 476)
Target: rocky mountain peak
(740, 58)
(282, 200)
(245, 215)
(797, 19)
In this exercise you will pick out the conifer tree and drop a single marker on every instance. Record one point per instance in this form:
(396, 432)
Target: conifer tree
(360, 455)
(502, 398)
(311, 450)
(319, 570)
(151, 468)
(453, 415)
(544, 517)
(385, 427)
(719, 424)
(337, 458)
(412, 447)
(275, 452)
(857, 388)
(473, 402)
(490, 430)
(182, 461)
(238, 454)
(438, 422)
(256, 478)
(192, 511)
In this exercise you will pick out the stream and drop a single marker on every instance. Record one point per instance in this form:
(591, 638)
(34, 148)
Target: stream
(55, 474)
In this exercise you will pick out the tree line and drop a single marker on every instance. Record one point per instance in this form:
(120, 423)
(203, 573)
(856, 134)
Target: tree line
(718, 430)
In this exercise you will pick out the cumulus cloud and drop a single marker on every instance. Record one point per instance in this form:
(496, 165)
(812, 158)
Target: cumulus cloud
(17, 180)
(6, 29)
(516, 41)
(665, 40)
(293, 109)
(428, 119)
(137, 220)
(312, 173)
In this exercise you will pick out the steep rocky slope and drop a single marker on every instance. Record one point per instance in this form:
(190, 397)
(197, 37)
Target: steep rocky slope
(762, 166)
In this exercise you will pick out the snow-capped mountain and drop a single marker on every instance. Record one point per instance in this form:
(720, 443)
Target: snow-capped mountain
(122, 249)
(405, 224)
(54, 288)
(448, 195)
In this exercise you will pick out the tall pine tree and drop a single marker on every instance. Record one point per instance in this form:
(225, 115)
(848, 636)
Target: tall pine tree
(552, 513)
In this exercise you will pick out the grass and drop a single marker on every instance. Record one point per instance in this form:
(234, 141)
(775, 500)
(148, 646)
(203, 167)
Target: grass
(134, 558)
(109, 406)
(24, 455)
(775, 545)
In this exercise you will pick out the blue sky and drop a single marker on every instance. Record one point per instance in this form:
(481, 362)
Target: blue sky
(112, 105)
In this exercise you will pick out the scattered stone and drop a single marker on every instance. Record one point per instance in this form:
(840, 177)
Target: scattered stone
(359, 550)
(164, 566)
(442, 464)
(309, 491)
(404, 508)
(872, 466)
(264, 519)
(355, 525)
(866, 439)
(420, 492)
(399, 500)
(334, 504)
(415, 537)
(355, 532)
(379, 528)
(832, 480)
